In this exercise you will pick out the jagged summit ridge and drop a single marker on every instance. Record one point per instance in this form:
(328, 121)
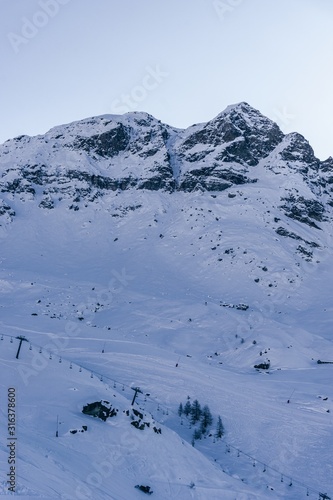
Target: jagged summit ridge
(82, 161)
(253, 118)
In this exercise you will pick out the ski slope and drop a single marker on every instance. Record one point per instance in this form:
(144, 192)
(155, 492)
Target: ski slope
(91, 283)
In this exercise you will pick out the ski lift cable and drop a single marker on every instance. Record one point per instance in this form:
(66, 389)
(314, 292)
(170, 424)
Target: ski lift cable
(103, 377)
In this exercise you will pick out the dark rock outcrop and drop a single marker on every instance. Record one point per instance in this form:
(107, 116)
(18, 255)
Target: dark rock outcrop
(100, 409)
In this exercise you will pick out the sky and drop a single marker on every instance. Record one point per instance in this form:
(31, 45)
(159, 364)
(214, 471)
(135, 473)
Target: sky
(183, 61)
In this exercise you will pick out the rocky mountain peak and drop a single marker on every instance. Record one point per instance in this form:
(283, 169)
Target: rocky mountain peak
(242, 113)
(327, 165)
(217, 154)
(87, 159)
(298, 149)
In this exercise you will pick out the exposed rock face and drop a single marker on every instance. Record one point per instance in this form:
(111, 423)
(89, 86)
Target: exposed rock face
(225, 148)
(298, 149)
(6, 210)
(84, 160)
(81, 162)
(107, 144)
(245, 134)
(307, 211)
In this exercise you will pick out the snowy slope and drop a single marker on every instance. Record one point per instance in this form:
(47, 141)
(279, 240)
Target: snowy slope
(109, 458)
(213, 270)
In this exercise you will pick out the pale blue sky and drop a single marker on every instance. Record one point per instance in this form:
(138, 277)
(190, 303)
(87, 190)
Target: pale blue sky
(183, 61)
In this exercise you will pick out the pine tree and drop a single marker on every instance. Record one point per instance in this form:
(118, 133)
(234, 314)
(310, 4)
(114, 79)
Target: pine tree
(206, 419)
(203, 428)
(180, 409)
(187, 408)
(195, 412)
(219, 428)
(197, 434)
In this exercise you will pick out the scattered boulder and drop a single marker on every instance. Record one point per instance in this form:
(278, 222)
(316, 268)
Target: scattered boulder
(145, 489)
(138, 423)
(74, 431)
(239, 307)
(137, 413)
(262, 366)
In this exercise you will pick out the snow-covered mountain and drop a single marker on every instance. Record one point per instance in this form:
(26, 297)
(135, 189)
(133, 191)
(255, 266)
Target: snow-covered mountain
(174, 261)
